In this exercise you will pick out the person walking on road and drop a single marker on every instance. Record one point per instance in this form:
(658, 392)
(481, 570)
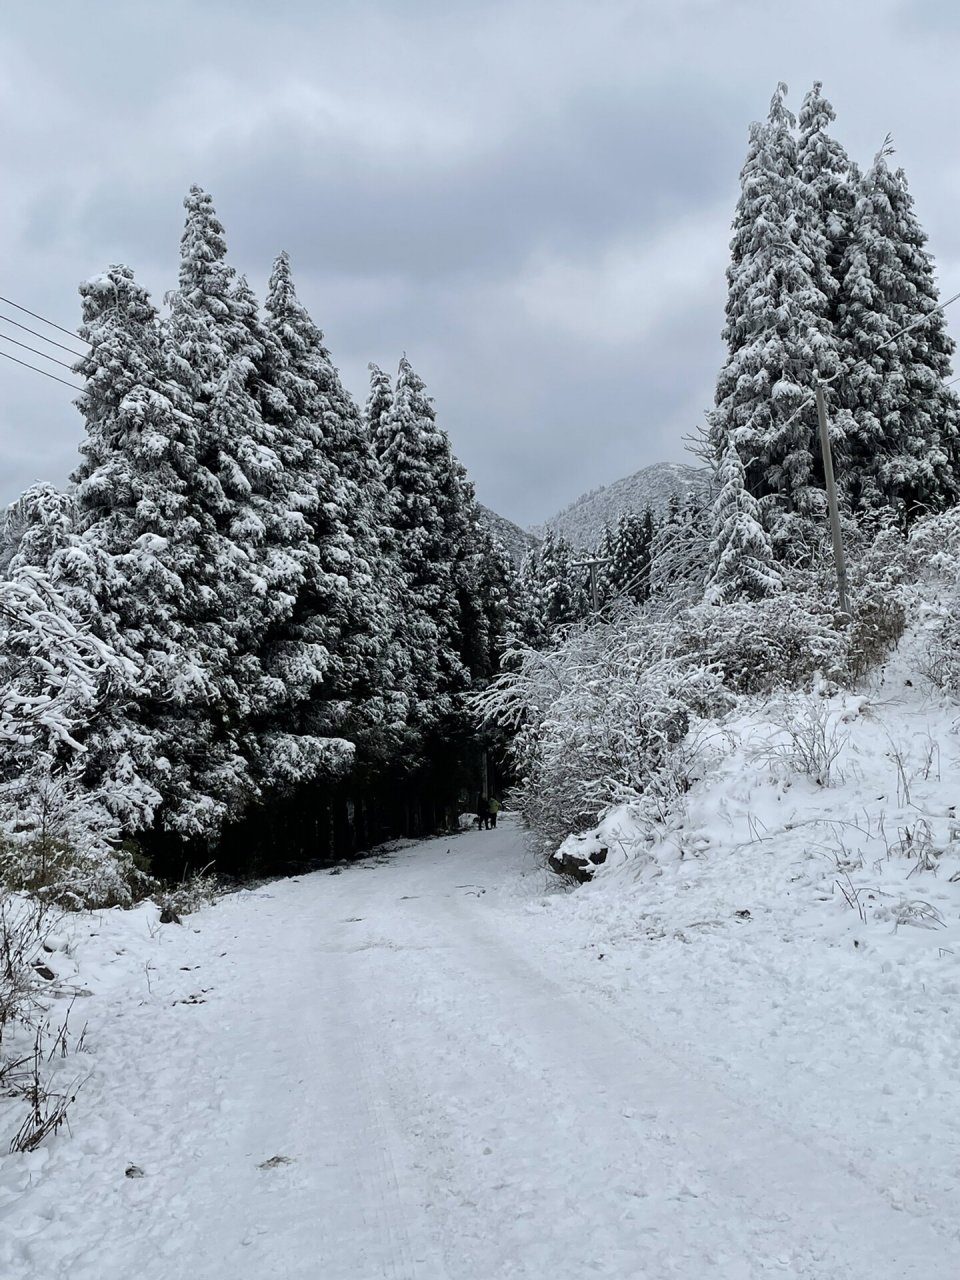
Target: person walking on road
(483, 811)
(493, 806)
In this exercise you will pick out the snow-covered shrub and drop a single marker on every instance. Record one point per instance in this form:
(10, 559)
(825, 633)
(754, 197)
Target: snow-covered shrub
(59, 842)
(876, 585)
(193, 892)
(57, 838)
(758, 645)
(810, 738)
(933, 557)
(596, 719)
(25, 1022)
(22, 924)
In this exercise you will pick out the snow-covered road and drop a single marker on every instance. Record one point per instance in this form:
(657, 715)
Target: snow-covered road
(447, 1093)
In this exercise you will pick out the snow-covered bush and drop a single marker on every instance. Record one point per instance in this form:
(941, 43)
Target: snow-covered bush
(193, 892)
(934, 562)
(596, 719)
(22, 926)
(878, 568)
(57, 838)
(59, 842)
(809, 738)
(758, 645)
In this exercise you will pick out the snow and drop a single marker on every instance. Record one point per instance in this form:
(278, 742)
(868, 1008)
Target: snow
(439, 1063)
(583, 522)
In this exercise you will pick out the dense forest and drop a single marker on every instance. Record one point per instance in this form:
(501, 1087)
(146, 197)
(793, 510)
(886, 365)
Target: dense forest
(267, 628)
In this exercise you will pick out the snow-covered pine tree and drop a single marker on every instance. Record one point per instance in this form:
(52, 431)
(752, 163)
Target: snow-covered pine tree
(605, 572)
(334, 647)
(778, 331)
(135, 551)
(628, 574)
(902, 449)
(830, 183)
(379, 405)
(741, 557)
(428, 507)
(553, 592)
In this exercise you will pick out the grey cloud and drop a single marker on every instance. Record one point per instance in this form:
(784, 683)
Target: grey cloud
(447, 179)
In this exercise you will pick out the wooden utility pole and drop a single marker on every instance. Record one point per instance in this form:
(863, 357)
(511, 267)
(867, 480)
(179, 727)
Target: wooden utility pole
(831, 486)
(592, 565)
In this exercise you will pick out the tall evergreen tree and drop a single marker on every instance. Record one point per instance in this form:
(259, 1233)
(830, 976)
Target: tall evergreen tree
(36, 526)
(553, 590)
(340, 626)
(135, 552)
(628, 573)
(429, 511)
(379, 406)
(680, 553)
(829, 182)
(778, 331)
(605, 574)
(487, 590)
(903, 447)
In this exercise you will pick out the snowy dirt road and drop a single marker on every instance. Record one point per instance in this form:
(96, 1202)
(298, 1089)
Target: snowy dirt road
(444, 1099)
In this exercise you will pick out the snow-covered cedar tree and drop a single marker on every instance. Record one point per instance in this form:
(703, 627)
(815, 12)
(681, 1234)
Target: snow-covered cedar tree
(429, 509)
(553, 591)
(35, 526)
(741, 557)
(377, 412)
(778, 331)
(901, 449)
(312, 651)
(247, 569)
(486, 600)
(830, 183)
(142, 545)
(603, 550)
(596, 719)
(626, 548)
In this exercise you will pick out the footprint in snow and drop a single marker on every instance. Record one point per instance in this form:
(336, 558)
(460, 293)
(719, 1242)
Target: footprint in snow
(275, 1161)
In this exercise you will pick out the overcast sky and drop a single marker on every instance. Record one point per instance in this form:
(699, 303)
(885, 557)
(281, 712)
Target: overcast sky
(533, 199)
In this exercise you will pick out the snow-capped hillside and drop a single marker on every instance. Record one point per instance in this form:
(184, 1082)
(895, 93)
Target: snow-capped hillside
(516, 540)
(583, 521)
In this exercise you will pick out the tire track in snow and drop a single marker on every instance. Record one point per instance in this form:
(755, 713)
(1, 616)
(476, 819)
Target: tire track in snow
(794, 1204)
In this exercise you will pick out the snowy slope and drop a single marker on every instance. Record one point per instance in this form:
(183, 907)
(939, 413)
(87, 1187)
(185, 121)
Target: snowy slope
(516, 540)
(583, 521)
(437, 1066)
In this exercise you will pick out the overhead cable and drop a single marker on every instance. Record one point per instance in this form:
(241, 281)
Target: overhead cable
(72, 385)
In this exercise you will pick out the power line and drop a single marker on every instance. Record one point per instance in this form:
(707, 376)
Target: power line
(26, 310)
(36, 351)
(72, 385)
(53, 342)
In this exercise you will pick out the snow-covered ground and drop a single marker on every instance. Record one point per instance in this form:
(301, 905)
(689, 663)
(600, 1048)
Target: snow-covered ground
(438, 1063)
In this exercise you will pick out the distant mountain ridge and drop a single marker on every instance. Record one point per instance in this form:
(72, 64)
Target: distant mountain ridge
(516, 540)
(582, 523)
